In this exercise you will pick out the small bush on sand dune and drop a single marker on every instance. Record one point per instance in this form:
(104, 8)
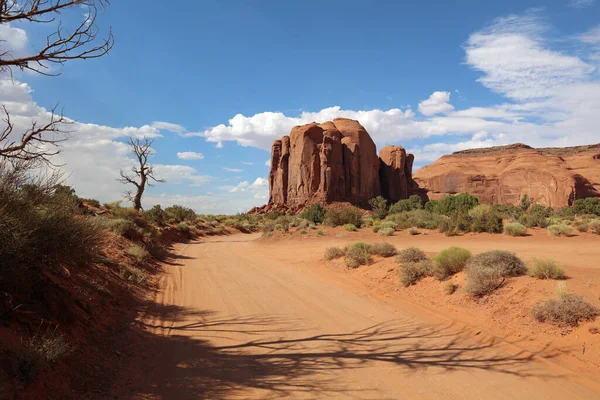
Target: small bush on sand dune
(379, 207)
(139, 253)
(341, 215)
(450, 287)
(413, 231)
(545, 268)
(357, 254)
(133, 274)
(386, 231)
(450, 261)
(559, 230)
(388, 225)
(594, 227)
(315, 213)
(412, 272)
(582, 226)
(568, 310)
(486, 272)
(320, 233)
(368, 222)
(515, 229)
(27, 362)
(183, 227)
(331, 253)
(120, 226)
(382, 249)
(484, 218)
(350, 227)
(411, 254)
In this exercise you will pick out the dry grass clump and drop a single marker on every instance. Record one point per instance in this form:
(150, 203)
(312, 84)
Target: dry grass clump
(450, 261)
(382, 249)
(545, 268)
(559, 230)
(138, 252)
(332, 253)
(350, 227)
(567, 310)
(515, 229)
(28, 361)
(412, 272)
(413, 231)
(133, 274)
(411, 254)
(594, 227)
(386, 231)
(487, 271)
(450, 287)
(357, 254)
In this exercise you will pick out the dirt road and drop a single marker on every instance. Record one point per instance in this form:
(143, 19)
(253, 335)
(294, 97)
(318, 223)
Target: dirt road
(234, 320)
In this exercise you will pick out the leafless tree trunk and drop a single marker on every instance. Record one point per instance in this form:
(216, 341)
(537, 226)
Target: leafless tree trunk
(142, 174)
(40, 141)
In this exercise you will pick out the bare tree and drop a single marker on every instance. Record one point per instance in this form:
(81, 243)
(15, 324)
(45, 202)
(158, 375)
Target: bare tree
(142, 174)
(40, 141)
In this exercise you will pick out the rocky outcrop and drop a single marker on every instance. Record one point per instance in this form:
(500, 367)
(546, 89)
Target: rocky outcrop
(334, 162)
(502, 175)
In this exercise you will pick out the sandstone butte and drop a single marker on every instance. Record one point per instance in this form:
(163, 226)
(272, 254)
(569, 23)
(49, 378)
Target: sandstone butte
(551, 176)
(334, 161)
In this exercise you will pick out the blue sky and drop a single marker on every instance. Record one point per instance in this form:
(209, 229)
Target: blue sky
(434, 77)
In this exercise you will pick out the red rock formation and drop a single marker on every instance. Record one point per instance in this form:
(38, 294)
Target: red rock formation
(330, 162)
(395, 173)
(553, 177)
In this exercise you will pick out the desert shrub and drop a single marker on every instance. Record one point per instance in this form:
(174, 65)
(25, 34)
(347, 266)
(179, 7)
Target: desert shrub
(320, 233)
(128, 213)
(177, 213)
(594, 227)
(411, 254)
(589, 205)
(379, 207)
(183, 227)
(314, 213)
(414, 202)
(430, 205)
(485, 219)
(412, 272)
(450, 261)
(133, 274)
(382, 249)
(545, 268)
(424, 219)
(341, 215)
(487, 271)
(460, 203)
(386, 231)
(138, 252)
(27, 362)
(450, 287)
(567, 310)
(388, 224)
(559, 230)
(413, 231)
(357, 256)
(91, 202)
(510, 212)
(515, 229)
(157, 215)
(582, 226)
(331, 253)
(120, 226)
(350, 227)
(536, 216)
(368, 222)
(303, 231)
(457, 222)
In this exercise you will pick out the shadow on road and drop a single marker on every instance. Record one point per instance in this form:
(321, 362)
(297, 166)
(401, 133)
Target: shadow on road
(197, 354)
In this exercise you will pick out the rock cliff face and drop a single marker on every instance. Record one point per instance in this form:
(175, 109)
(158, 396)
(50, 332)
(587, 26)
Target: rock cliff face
(553, 177)
(334, 162)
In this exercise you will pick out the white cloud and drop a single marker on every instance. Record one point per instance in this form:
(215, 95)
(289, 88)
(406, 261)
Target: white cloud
(181, 174)
(259, 189)
(268, 163)
(13, 40)
(170, 127)
(437, 103)
(190, 155)
(581, 3)
(232, 169)
(247, 163)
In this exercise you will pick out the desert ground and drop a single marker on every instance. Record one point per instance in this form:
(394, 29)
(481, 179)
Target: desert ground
(242, 316)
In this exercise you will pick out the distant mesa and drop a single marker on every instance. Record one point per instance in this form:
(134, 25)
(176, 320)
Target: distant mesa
(337, 161)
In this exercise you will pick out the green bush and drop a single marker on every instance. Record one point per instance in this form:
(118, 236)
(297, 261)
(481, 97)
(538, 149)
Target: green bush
(414, 202)
(559, 230)
(157, 215)
(314, 213)
(382, 249)
(411, 255)
(515, 229)
(594, 227)
(589, 205)
(460, 203)
(485, 219)
(331, 253)
(456, 223)
(183, 227)
(128, 213)
(386, 231)
(341, 215)
(133, 274)
(412, 272)
(487, 271)
(177, 213)
(139, 253)
(546, 268)
(120, 226)
(582, 226)
(568, 310)
(413, 231)
(350, 227)
(91, 202)
(450, 261)
(536, 216)
(379, 207)
(357, 255)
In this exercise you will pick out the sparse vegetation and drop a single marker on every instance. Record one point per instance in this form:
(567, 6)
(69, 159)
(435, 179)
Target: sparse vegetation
(413, 231)
(450, 287)
(412, 272)
(331, 253)
(350, 227)
(28, 361)
(414, 202)
(515, 229)
(382, 249)
(559, 230)
(138, 252)
(379, 207)
(450, 261)
(386, 231)
(545, 268)
(315, 213)
(342, 215)
(411, 255)
(484, 218)
(567, 310)
(183, 227)
(488, 271)
(594, 227)
(133, 274)
(357, 254)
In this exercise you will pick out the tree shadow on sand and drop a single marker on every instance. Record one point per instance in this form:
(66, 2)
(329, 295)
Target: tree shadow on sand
(194, 354)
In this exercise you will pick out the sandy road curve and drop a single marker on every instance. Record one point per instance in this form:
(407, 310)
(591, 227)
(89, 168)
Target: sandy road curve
(234, 321)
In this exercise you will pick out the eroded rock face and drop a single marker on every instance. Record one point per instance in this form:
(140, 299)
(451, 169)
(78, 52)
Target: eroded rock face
(395, 173)
(331, 162)
(502, 175)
